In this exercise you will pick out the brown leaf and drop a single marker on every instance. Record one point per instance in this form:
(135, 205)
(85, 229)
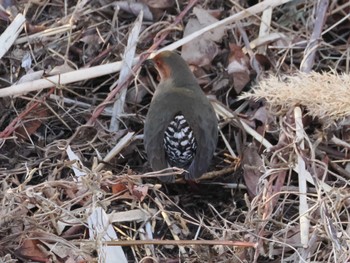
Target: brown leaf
(262, 115)
(201, 50)
(202, 77)
(240, 80)
(29, 250)
(290, 237)
(119, 187)
(263, 61)
(253, 169)
(4, 16)
(31, 29)
(205, 18)
(238, 68)
(32, 122)
(140, 192)
(136, 95)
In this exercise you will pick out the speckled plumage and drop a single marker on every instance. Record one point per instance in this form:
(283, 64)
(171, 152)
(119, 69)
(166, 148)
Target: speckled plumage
(178, 94)
(180, 145)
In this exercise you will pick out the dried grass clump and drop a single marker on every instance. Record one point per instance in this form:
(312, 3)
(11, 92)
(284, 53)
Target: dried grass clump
(325, 95)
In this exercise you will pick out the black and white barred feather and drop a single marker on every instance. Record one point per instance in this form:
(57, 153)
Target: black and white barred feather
(179, 142)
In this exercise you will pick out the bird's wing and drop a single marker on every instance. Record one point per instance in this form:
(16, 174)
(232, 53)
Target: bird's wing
(205, 128)
(158, 118)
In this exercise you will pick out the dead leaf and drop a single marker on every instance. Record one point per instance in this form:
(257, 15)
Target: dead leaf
(201, 76)
(30, 76)
(262, 115)
(136, 95)
(263, 61)
(91, 38)
(159, 4)
(220, 83)
(201, 51)
(238, 68)
(64, 68)
(65, 252)
(4, 16)
(253, 169)
(32, 122)
(140, 192)
(119, 187)
(291, 236)
(263, 120)
(32, 29)
(205, 18)
(135, 8)
(30, 250)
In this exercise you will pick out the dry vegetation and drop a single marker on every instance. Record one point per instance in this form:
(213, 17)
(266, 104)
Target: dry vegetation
(73, 100)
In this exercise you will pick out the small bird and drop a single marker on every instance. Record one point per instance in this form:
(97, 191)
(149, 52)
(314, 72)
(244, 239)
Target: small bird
(181, 128)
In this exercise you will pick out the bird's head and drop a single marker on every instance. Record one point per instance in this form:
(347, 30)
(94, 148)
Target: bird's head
(172, 67)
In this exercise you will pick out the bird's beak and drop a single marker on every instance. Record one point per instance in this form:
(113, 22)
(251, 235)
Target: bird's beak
(150, 62)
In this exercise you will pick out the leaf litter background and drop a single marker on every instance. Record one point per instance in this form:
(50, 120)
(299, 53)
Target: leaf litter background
(72, 162)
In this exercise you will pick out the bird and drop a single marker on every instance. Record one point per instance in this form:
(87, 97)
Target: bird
(181, 127)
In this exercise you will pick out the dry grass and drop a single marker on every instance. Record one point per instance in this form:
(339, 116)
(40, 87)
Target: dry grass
(325, 95)
(72, 163)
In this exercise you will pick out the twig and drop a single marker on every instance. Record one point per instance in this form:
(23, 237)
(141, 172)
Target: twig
(181, 243)
(116, 149)
(264, 29)
(303, 205)
(126, 71)
(11, 33)
(61, 79)
(310, 50)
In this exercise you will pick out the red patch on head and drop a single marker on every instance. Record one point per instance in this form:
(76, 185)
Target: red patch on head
(162, 67)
